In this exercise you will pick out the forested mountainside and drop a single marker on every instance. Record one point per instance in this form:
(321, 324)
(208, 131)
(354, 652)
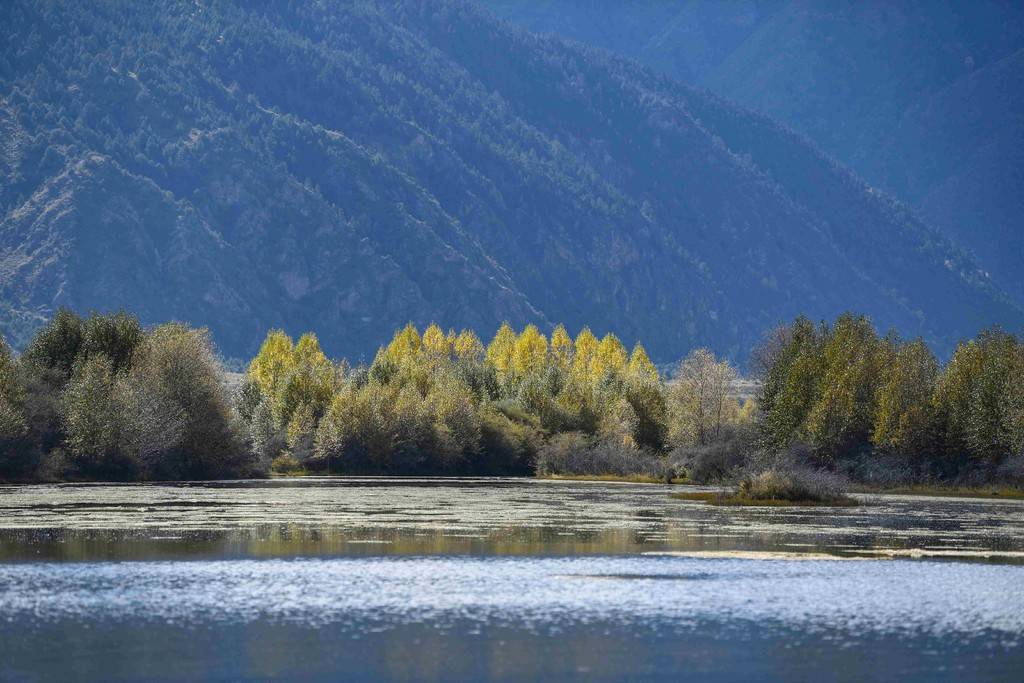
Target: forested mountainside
(921, 98)
(349, 166)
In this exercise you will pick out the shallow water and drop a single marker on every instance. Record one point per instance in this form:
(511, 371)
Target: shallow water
(321, 579)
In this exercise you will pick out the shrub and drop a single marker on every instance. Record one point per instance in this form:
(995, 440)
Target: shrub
(286, 464)
(714, 463)
(793, 484)
(575, 453)
(507, 445)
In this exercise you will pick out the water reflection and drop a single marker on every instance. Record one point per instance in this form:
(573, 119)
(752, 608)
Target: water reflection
(330, 517)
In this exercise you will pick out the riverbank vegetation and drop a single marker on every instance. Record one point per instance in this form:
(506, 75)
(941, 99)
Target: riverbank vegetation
(885, 412)
(101, 397)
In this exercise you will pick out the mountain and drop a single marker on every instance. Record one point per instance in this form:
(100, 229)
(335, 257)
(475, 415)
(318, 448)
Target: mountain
(921, 98)
(348, 166)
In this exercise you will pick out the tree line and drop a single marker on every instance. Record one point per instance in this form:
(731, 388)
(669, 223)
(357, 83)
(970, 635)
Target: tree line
(102, 397)
(851, 395)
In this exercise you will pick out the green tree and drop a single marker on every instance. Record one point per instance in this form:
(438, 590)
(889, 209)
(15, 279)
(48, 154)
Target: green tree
(1013, 402)
(988, 430)
(92, 412)
(974, 401)
(115, 336)
(56, 346)
(789, 366)
(903, 420)
(647, 398)
(179, 417)
(13, 427)
(842, 415)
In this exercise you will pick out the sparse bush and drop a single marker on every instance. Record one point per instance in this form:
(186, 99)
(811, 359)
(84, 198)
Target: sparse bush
(577, 454)
(793, 484)
(716, 462)
(286, 464)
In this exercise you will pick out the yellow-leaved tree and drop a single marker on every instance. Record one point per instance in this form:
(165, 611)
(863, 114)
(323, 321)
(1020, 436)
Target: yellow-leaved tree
(435, 343)
(501, 350)
(310, 382)
(640, 366)
(273, 362)
(584, 351)
(531, 351)
(561, 347)
(468, 346)
(610, 357)
(404, 345)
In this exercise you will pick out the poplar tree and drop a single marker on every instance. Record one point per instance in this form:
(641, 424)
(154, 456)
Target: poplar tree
(273, 362)
(640, 366)
(699, 403)
(12, 398)
(91, 411)
(789, 387)
(501, 350)
(561, 348)
(531, 351)
(435, 343)
(903, 420)
(843, 410)
(584, 352)
(611, 357)
(406, 344)
(468, 347)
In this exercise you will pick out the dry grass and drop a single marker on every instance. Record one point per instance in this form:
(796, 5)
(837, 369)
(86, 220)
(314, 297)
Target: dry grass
(720, 498)
(941, 491)
(782, 486)
(628, 478)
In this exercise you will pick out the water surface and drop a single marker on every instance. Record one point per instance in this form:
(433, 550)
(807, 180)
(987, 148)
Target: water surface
(377, 579)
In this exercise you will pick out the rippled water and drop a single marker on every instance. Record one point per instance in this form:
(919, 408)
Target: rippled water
(328, 579)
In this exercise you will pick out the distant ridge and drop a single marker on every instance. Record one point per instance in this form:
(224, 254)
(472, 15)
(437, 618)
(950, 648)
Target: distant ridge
(923, 98)
(348, 167)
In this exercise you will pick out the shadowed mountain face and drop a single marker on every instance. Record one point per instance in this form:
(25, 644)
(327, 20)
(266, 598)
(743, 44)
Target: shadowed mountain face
(347, 167)
(921, 98)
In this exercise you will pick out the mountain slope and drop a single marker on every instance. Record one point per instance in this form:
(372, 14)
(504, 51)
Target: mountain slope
(347, 167)
(921, 98)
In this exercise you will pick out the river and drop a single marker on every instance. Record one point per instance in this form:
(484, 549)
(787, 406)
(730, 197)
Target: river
(500, 579)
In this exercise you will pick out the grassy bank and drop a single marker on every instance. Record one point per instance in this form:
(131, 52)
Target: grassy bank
(628, 478)
(948, 491)
(736, 499)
